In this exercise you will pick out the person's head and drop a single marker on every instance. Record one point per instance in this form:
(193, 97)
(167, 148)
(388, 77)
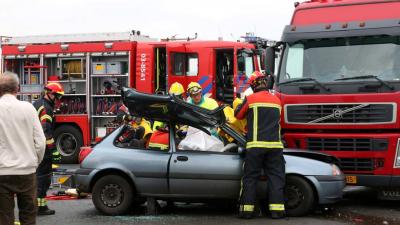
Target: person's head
(194, 89)
(177, 90)
(53, 91)
(9, 83)
(257, 81)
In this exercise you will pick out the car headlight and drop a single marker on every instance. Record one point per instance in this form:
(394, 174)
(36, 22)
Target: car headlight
(335, 170)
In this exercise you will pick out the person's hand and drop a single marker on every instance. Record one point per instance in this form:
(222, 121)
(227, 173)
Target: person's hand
(56, 156)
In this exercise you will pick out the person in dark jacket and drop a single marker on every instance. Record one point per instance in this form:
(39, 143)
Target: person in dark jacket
(45, 107)
(262, 110)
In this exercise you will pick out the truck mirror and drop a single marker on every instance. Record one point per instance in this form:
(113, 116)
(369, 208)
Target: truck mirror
(269, 60)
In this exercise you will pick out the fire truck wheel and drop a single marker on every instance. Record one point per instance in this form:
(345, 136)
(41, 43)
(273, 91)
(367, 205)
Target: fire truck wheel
(300, 196)
(112, 195)
(68, 141)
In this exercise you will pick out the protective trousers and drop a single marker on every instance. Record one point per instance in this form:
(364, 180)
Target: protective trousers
(273, 163)
(44, 173)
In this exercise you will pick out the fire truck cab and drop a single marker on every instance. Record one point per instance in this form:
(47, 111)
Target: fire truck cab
(93, 68)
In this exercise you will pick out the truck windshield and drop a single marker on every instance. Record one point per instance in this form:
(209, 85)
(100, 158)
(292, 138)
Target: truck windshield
(328, 60)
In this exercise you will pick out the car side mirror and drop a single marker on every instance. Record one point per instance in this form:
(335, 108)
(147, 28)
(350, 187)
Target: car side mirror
(269, 60)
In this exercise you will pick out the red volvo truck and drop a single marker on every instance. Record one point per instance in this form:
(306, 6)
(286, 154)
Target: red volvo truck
(339, 82)
(94, 67)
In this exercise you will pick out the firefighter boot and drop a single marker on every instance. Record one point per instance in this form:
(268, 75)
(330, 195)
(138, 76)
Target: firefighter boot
(278, 214)
(44, 210)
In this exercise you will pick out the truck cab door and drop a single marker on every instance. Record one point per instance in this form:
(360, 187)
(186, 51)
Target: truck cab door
(176, 60)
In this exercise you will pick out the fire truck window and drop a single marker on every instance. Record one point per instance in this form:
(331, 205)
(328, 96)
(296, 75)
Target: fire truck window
(245, 64)
(185, 64)
(193, 65)
(178, 64)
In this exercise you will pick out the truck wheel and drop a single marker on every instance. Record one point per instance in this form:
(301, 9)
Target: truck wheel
(68, 140)
(300, 196)
(112, 195)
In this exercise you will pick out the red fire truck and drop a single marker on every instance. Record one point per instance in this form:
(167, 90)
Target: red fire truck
(94, 67)
(339, 82)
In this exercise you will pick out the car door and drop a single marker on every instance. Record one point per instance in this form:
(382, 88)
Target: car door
(205, 174)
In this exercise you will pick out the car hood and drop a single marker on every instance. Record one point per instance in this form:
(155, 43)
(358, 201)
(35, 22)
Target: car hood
(173, 109)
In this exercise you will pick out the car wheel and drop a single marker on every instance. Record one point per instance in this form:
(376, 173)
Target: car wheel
(68, 141)
(112, 195)
(300, 196)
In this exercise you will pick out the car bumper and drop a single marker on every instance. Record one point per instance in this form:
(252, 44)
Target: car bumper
(83, 178)
(329, 188)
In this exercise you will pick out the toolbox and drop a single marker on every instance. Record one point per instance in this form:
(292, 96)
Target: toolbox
(99, 67)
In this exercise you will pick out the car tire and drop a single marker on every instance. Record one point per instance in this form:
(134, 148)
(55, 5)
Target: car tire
(112, 195)
(300, 196)
(68, 141)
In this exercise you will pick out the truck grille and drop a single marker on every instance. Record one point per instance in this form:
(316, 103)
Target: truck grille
(351, 164)
(355, 113)
(347, 144)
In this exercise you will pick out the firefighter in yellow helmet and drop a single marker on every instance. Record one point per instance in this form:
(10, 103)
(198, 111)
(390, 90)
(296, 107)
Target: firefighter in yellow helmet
(45, 107)
(177, 90)
(197, 98)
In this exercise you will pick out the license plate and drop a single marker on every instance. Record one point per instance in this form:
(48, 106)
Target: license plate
(351, 179)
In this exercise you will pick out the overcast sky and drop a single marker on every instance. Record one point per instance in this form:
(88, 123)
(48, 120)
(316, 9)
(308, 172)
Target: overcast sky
(211, 19)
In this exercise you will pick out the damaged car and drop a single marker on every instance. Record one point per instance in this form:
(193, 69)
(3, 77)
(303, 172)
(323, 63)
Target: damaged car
(120, 176)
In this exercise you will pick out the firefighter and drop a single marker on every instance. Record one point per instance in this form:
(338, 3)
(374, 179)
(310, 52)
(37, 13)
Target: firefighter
(177, 90)
(160, 137)
(263, 148)
(197, 98)
(159, 140)
(45, 107)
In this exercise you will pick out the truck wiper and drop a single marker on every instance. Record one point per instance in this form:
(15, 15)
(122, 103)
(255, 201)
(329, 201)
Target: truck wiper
(306, 79)
(368, 77)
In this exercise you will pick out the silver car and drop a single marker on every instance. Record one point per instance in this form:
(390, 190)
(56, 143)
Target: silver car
(119, 176)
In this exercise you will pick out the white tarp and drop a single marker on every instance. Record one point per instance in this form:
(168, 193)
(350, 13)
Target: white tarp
(197, 140)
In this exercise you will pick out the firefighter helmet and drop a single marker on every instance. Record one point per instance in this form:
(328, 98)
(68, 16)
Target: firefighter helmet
(176, 89)
(194, 88)
(255, 77)
(55, 88)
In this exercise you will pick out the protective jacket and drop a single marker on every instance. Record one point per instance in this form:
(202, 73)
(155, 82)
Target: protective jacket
(206, 102)
(45, 110)
(262, 110)
(159, 140)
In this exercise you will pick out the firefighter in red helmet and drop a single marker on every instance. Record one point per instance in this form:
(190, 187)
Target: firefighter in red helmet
(262, 109)
(45, 107)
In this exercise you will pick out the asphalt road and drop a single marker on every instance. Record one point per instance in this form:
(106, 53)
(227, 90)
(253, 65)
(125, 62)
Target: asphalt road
(358, 207)
(83, 212)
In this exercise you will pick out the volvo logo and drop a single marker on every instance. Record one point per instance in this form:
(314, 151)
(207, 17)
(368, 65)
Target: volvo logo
(337, 113)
